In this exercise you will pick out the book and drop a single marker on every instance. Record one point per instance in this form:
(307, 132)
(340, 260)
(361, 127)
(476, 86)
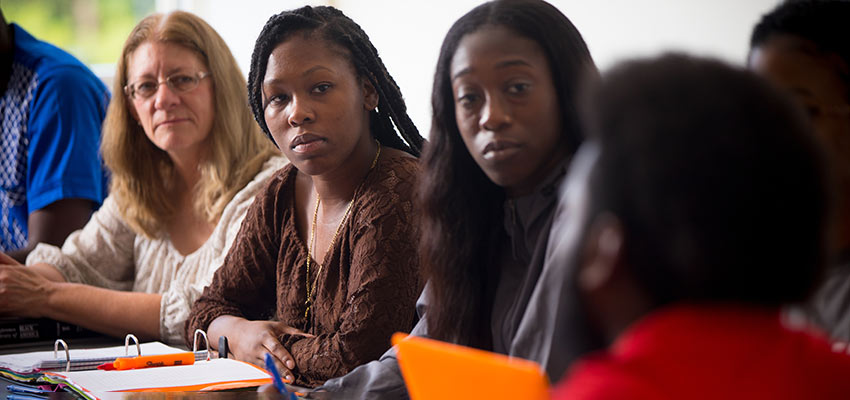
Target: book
(215, 374)
(17, 331)
(27, 367)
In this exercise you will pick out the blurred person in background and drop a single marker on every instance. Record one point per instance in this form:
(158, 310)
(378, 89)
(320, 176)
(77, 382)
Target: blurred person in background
(697, 208)
(803, 48)
(51, 174)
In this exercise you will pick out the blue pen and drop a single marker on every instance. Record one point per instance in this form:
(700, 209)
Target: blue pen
(26, 389)
(278, 383)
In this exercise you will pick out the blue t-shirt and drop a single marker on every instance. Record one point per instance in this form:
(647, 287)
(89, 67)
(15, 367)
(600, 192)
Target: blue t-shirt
(51, 114)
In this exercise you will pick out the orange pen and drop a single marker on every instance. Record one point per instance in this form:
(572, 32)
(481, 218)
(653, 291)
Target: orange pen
(163, 360)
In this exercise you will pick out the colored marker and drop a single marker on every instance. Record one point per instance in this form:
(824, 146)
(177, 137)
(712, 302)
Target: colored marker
(162, 360)
(26, 389)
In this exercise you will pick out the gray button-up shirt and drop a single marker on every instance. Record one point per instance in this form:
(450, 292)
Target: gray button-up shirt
(536, 315)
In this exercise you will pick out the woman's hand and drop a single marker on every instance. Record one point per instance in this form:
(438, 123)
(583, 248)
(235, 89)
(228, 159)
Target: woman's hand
(256, 338)
(23, 291)
(6, 259)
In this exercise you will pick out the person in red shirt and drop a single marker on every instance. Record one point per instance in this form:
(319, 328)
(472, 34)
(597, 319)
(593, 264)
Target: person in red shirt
(697, 208)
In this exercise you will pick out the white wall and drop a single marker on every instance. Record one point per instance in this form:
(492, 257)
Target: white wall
(408, 33)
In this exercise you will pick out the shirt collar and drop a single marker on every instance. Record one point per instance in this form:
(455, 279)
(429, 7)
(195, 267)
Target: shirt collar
(522, 215)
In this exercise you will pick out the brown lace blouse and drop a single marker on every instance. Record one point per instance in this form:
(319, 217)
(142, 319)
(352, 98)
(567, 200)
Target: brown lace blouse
(367, 288)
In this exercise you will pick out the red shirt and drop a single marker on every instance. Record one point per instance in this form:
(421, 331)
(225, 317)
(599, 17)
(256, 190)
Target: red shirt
(711, 352)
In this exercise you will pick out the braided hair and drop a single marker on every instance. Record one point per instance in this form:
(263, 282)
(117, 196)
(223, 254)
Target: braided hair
(332, 25)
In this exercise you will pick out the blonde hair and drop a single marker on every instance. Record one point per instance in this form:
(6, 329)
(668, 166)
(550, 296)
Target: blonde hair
(142, 174)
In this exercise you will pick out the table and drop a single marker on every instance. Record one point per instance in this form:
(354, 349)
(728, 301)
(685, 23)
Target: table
(249, 394)
(106, 341)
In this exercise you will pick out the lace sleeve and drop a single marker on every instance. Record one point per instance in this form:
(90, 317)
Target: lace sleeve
(380, 379)
(382, 285)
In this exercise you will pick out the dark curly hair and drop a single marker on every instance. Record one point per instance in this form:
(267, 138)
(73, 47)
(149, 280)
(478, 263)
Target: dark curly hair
(333, 26)
(697, 159)
(825, 23)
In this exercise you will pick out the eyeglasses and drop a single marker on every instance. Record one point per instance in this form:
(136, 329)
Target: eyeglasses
(177, 82)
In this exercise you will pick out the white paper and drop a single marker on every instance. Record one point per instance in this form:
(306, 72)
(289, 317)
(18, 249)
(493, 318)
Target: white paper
(31, 362)
(219, 370)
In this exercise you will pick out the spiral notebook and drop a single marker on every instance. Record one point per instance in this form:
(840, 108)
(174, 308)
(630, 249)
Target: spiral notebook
(27, 367)
(215, 374)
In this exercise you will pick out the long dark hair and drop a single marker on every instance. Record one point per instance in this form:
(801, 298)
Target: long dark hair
(461, 208)
(337, 28)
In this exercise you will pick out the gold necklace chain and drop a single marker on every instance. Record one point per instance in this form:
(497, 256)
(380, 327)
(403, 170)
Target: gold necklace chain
(312, 245)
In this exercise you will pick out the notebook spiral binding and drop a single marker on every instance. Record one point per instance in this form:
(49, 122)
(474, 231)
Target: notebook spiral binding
(195, 344)
(83, 364)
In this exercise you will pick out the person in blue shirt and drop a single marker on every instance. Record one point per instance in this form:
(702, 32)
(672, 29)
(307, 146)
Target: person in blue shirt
(51, 173)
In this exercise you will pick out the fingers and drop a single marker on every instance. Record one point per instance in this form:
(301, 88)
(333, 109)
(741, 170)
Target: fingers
(10, 277)
(283, 360)
(20, 277)
(261, 337)
(260, 361)
(292, 331)
(22, 293)
(6, 259)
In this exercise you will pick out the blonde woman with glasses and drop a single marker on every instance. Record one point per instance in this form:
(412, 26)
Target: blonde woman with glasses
(186, 159)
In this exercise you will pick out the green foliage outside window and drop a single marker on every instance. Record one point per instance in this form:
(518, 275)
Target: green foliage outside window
(91, 30)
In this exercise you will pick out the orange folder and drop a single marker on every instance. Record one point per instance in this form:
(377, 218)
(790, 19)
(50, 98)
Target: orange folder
(437, 370)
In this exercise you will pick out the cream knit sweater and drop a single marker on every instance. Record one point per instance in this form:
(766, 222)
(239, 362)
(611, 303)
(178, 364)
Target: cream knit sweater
(107, 253)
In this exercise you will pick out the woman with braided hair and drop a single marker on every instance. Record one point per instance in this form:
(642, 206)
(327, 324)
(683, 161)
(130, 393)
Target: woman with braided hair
(325, 266)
